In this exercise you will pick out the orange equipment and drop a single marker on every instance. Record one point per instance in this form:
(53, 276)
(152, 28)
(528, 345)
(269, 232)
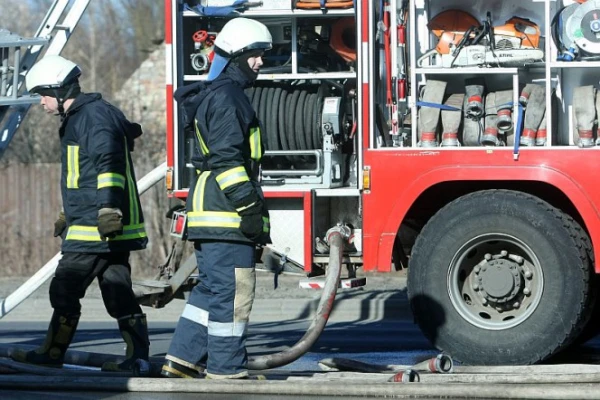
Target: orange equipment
(518, 28)
(328, 4)
(449, 27)
(343, 38)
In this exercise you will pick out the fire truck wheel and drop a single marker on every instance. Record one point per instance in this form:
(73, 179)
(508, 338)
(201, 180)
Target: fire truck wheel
(500, 277)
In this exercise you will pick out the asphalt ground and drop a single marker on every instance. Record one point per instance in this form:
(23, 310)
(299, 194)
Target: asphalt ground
(384, 296)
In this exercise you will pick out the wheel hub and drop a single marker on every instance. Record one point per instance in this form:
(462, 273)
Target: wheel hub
(498, 280)
(495, 281)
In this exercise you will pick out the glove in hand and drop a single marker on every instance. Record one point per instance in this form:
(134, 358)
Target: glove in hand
(252, 222)
(110, 222)
(60, 224)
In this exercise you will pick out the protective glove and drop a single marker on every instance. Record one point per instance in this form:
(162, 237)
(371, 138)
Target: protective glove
(252, 221)
(60, 224)
(110, 222)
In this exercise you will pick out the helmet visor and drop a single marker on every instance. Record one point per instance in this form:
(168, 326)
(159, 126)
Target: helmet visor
(217, 66)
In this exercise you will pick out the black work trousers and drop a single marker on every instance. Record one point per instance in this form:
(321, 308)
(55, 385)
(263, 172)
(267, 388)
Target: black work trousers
(76, 271)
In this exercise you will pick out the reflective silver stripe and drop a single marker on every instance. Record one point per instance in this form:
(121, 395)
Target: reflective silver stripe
(214, 218)
(244, 207)
(232, 177)
(226, 329)
(195, 314)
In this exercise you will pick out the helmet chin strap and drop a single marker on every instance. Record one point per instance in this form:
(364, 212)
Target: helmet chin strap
(61, 102)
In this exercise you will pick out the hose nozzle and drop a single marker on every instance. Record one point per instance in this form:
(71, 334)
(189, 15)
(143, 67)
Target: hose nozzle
(409, 375)
(441, 364)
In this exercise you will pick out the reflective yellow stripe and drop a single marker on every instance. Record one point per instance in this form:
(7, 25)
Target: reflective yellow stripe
(255, 147)
(266, 224)
(203, 146)
(72, 167)
(110, 179)
(134, 207)
(231, 177)
(198, 200)
(215, 219)
(91, 234)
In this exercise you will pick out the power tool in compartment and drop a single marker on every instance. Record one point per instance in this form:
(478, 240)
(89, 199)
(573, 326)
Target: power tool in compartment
(465, 42)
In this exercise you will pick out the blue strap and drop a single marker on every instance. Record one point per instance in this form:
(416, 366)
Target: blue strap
(323, 5)
(518, 132)
(517, 128)
(217, 11)
(510, 104)
(436, 105)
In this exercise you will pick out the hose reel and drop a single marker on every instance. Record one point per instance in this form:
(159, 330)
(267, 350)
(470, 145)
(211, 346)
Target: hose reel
(298, 149)
(576, 31)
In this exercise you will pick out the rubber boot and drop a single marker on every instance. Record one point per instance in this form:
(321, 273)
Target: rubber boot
(172, 369)
(134, 329)
(52, 352)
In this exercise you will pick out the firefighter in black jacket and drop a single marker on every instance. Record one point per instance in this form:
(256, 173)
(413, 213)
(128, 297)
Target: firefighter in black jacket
(227, 216)
(102, 219)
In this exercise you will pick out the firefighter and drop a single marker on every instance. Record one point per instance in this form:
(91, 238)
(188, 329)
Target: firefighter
(227, 216)
(102, 219)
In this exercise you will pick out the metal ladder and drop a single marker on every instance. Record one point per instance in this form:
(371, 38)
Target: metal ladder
(51, 33)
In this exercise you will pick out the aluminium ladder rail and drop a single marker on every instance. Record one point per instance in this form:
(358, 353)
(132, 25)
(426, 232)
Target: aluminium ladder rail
(52, 33)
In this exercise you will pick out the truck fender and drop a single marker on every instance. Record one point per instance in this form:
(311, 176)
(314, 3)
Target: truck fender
(563, 182)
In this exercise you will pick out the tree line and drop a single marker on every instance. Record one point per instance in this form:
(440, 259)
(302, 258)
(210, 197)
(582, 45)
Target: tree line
(111, 42)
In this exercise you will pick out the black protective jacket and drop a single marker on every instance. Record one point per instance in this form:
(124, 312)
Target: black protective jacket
(97, 171)
(229, 147)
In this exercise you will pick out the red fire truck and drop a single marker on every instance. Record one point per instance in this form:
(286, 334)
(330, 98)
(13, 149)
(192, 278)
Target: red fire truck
(452, 138)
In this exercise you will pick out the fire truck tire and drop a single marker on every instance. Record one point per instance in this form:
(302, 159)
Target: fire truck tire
(500, 277)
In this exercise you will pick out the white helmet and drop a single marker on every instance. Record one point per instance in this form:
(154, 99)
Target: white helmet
(238, 36)
(51, 72)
